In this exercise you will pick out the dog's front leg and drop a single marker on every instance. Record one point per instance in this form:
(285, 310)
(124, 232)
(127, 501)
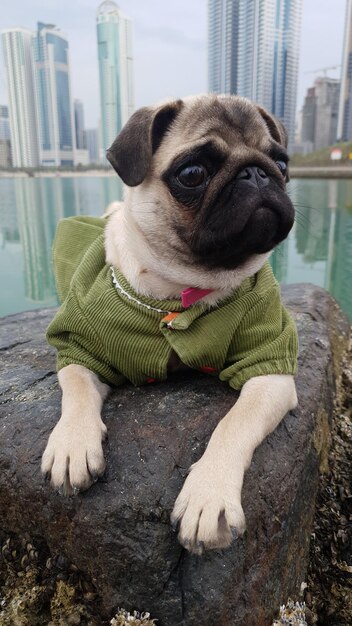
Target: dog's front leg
(208, 508)
(74, 457)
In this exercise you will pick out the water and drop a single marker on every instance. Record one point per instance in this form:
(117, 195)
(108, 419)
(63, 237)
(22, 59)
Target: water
(318, 250)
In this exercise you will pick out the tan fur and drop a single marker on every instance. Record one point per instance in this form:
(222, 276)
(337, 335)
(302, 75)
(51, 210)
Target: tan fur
(142, 243)
(158, 272)
(113, 207)
(209, 504)
(74, 456)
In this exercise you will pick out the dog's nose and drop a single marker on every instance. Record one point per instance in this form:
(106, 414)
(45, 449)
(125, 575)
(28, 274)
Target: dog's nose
(254, 176)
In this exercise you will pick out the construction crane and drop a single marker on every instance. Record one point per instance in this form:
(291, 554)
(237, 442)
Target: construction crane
(324, 70)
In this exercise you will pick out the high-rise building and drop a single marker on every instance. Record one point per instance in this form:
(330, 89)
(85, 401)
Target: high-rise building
(4, 123)
(254, 52)
(308, 117)
(53, 96)
(79, 124)
(114, 34)
(320, 112)
(5, 141)
(223, 26)
(41, 112)
(327, 92)
(92, 144)
(344, 126)
(17, 46)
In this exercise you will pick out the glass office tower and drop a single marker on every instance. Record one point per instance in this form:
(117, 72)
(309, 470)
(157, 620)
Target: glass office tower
(79, 124)
(17, 46)
(53, 96)
(114, 34)
(254, 52)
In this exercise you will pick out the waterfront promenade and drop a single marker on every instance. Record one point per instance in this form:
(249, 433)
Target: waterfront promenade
(296, 171)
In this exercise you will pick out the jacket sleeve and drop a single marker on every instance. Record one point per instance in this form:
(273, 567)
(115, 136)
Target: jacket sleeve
(73, 237)
(265, 342)
(78, 343)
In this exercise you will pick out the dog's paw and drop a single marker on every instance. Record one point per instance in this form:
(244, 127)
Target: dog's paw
(208, 509)
(73, 458)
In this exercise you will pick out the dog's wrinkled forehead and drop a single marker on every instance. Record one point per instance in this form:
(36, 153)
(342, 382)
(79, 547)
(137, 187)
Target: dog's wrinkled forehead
(231, 121)
(155, 135)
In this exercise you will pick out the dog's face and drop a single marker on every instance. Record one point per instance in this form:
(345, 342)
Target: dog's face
(209, 175)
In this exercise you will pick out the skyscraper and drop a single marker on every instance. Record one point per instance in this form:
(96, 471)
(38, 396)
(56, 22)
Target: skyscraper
(309, 118)
(79, 124)
(327, 91)
(344, 125)
(114, 34)
(91, 136)
(53, 96)
(319, 114)
(5, 141)
(223, 25)
(254, 52)
(17, 46)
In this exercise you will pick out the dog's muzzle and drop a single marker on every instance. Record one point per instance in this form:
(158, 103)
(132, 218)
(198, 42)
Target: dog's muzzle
(253, 176)
(251, 215)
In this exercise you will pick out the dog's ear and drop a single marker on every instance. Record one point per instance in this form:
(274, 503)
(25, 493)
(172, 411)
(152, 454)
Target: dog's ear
(276, 128)
(132, 151)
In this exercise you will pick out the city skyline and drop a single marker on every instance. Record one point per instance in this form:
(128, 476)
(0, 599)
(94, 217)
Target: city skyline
(170, 46)
(253, 51)
(115, 54)
(40, 103)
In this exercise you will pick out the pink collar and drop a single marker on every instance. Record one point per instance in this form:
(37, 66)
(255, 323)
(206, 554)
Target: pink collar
(193, 294)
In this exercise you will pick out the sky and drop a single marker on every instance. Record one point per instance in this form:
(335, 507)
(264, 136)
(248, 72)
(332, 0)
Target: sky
(170, 45)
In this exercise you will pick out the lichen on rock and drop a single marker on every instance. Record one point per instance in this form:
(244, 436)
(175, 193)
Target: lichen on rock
(124, 618)
(292, 614)
(37, 589)
(65, 607)
(23, 598)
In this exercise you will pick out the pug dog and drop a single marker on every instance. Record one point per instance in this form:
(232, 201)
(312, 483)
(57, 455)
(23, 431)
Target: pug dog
(179, 278)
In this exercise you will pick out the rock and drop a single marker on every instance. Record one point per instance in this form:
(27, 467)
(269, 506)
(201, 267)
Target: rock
(118, 532)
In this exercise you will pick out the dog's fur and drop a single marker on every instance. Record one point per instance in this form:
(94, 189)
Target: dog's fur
(165, 238)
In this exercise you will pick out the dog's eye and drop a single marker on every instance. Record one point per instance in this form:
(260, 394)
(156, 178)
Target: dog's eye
(282, 167)
(192, 175)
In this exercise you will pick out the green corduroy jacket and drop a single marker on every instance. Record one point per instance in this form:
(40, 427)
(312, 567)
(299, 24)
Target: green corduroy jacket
(104, 325)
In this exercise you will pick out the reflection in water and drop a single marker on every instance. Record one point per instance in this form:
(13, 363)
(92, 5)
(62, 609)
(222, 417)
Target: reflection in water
(319, 249)
(322, 235)
(40, 205)
(36, 226)
(29, 211)
(340, 278)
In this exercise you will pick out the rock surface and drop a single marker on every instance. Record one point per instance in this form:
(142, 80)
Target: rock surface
(118, 532)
